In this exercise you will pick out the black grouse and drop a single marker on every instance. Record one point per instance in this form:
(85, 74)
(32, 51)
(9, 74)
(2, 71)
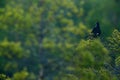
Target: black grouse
(96, 30)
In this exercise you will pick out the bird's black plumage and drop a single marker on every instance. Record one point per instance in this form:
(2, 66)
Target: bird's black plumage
(96, 31)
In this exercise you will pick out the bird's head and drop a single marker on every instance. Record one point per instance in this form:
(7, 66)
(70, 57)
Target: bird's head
(97, 23)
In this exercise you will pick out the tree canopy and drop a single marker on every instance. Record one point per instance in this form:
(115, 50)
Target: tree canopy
(49, 40)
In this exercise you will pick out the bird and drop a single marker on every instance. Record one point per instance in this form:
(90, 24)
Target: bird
(96, 31)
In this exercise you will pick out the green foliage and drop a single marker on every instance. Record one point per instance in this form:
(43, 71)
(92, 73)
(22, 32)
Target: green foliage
(117, 61)
(2, 3)
(50, 39)
(114, 42)
(114, 47)
(10, 54)
(90, 54)
(4, 77)
(22, 75)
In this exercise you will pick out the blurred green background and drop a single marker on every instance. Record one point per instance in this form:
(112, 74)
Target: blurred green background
(48, 40)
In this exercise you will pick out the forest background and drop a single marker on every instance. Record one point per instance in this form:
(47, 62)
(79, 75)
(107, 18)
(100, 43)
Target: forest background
(49, 40)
